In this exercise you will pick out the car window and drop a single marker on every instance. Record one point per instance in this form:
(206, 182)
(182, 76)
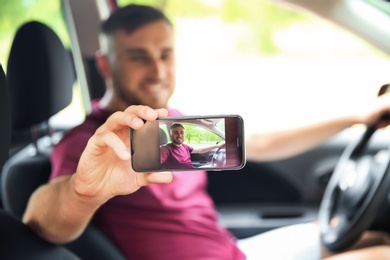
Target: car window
(276, 67)
(383, 5)
(198, 136)
(48, 12)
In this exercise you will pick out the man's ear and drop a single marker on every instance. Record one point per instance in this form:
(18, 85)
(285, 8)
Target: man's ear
(102, 65)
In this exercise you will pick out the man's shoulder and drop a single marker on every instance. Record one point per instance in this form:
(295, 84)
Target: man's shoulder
(87, 128)
(188, 147)
(96, 118)
(167, 146)
(92, 122)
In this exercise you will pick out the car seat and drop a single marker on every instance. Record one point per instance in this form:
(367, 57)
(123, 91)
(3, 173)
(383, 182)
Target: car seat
(41, 75)
(163, 137)
(5, 119)
(17, 240)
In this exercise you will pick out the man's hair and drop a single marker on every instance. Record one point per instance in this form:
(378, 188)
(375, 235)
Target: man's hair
(131, 17)
(176, 125)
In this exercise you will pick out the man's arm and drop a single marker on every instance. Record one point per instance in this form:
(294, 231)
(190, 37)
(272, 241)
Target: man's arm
(208, 148)
(60, 210)
(375, 252)
(283, 144)
(164, 154)
(58, 213)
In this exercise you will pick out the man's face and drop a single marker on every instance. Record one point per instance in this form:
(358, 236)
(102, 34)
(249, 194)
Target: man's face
(143, 65)
(178, 135)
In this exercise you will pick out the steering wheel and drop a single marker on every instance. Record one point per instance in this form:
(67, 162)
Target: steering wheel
(357, 190)
(219, 157)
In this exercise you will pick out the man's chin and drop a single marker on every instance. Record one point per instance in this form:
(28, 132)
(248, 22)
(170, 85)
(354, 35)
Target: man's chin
(157, 100)
(156, 104)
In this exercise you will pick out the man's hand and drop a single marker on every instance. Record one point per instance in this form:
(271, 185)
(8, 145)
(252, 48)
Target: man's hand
(60, 210)
(378, 107)
(104, 170)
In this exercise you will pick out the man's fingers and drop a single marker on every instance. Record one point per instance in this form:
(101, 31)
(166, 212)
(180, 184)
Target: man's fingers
(162, 112)
(160, 177)
(116, 129)
(117, 145)
(133, 117)
(120, 119)
(154, 177)
(146, 112)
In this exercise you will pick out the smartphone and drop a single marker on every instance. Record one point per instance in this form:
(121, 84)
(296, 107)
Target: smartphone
(189, 143)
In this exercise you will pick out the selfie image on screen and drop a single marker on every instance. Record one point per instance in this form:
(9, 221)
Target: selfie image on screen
(189, 143)
(196, 144)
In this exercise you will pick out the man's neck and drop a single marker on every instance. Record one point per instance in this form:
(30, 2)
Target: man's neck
(110, 103)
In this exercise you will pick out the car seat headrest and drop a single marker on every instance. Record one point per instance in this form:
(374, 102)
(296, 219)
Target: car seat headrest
(40, 75)
(163, 137)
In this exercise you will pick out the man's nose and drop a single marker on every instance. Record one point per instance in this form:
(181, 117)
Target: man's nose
(158, 69)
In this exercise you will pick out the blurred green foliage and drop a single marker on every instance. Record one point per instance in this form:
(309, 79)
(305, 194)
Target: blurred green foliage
(13, 13)
(262, 18)
(383, 5)
(198, 135)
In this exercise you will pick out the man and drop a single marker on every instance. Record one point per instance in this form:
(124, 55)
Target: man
(177, 154)
(171, 216)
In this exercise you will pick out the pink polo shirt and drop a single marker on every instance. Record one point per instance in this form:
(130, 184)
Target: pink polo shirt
(161, 221)
(176, 157)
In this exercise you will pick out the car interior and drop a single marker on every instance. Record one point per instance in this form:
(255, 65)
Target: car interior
(37, 85)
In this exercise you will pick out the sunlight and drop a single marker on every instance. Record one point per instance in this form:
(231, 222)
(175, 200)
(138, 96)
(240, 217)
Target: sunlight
(311, 80)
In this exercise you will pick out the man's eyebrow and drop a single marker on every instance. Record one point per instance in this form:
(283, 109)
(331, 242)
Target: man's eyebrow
(168, 49)
(143, 51)
(136, 51)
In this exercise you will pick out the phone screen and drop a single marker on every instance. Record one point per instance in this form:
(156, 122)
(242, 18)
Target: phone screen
(189, 143)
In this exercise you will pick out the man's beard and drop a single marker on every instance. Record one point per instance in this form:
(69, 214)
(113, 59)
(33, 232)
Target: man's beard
(132, 99)
(128, 98)
(177, 142)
